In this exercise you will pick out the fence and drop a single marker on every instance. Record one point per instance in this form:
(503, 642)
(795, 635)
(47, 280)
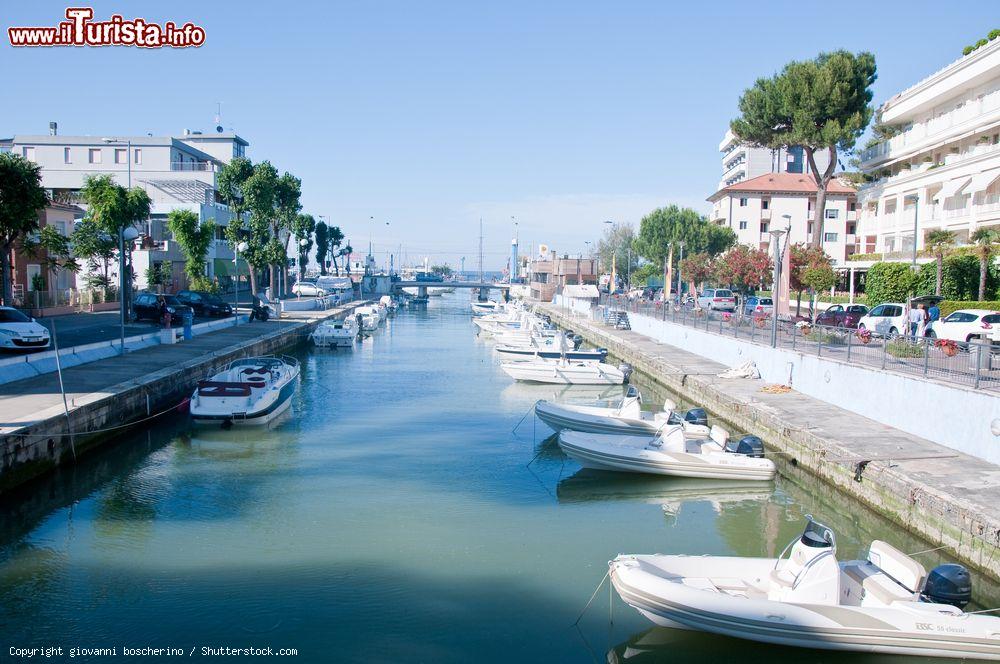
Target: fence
(67, 297)
(975, 365)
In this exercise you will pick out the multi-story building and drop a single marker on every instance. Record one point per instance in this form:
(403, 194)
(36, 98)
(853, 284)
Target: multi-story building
(34, 283)
(178, 173)
(941, 169)
(787, 201)
(743, 162)
(550, 274)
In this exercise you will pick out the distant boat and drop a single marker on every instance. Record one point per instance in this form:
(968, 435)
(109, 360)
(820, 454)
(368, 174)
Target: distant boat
(567, 372)
(252, 390)
(336, 333)
(368, 318)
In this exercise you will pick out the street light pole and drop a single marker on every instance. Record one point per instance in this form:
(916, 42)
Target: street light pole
(680, 257)
(776, 285)
(916, 216)
(240, 246)
(122, 293)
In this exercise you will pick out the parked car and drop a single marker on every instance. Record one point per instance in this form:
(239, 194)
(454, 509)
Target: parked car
(308, 289)
(840, 315)
(967, 325)
(205, 304)
(886, 319)
(18, 331)
(146, 307)
(758, 306)
(717, 299)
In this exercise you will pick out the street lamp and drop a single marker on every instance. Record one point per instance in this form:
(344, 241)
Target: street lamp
(614, 258)
(775, 278)
(124, 235)
(916, 209)
(240, 246)
(680, 257)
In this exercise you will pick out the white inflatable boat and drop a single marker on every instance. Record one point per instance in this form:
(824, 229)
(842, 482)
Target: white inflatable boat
(626, 418)
(886, 603)
(567, 372)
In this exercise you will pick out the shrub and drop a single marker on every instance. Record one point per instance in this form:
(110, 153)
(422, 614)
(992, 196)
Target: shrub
(950, 306)
(960, 278)
(900, 348)
(888, 282)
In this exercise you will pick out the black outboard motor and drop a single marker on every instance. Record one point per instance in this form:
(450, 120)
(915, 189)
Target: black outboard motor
(627, 370)
(750, 446)
(948, 584)
(696, 416)
(577, 342)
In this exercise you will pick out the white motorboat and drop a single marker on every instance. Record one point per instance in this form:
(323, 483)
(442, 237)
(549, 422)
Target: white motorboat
(567, 372)
(485, 308)
(885, 603)
(627, 418)
(368, 318)
(387, 305)
(670, 452)
(336, 333)
(253, 390)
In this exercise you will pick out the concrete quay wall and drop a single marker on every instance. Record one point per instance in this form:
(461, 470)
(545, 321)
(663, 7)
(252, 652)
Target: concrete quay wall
(940, 515)
(44, 443)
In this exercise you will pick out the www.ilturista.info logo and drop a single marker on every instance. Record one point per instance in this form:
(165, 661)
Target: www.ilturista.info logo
(81, 30)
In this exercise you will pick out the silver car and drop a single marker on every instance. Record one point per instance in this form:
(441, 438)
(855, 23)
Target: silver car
(307, 289)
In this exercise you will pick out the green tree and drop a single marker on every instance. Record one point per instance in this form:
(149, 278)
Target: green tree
(802, 258)
(888, 282)
(230, 185)
(697, 268)
(194, 239)
(22, 198)
(93, 244)
(820, 105)
(986, 240)
(259, 197)
(53, 249)
(671, 225)
(335, 237)
(939, 242)
(287, 205)
(443, 270)
(322, 245)
(302, 228)
(615, 247)
(818, 278)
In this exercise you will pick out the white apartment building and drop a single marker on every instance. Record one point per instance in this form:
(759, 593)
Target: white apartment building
(942, 170)
(787, 201)
(178, 173)
(742, 162)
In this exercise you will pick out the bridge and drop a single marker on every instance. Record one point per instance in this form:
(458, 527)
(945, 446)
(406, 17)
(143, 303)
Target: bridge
(451, 284)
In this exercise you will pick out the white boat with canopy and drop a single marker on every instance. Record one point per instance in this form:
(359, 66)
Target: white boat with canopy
(883, 603)
(252, 390)
(336, 333)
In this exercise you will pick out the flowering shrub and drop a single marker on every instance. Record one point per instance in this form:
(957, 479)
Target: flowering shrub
(864, 335)
(948, 346)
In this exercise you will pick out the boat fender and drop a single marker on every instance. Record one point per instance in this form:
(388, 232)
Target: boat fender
(626, 369)
(750, 446)
(696, 416)
(948, 584)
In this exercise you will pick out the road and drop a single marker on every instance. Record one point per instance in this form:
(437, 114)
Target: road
(85, 328)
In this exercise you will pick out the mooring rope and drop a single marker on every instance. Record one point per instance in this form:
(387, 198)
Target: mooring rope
(591, 600)
(126, 425)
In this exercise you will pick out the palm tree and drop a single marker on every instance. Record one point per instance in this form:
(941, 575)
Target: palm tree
(939, 241)
(985, 240)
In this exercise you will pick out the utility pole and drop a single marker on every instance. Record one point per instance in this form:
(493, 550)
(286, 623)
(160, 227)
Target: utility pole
(480, 250)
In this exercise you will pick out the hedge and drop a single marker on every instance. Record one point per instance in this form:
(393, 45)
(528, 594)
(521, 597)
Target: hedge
(950, 306)
(888, 282)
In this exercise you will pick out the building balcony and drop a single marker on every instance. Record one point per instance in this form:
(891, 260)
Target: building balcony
(192, 166)
(765, 215)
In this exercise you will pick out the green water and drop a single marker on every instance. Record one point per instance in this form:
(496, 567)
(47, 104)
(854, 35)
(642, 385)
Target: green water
(392, 517)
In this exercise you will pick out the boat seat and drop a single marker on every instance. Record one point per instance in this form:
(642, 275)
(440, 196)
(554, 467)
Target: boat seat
(903, 569)
(877, 584)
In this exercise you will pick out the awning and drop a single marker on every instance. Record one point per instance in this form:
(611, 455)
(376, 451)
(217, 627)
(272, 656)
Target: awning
(584, 291)
(982, 181)
(952, 187)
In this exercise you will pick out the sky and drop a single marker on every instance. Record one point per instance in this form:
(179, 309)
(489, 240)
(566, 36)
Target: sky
(408, 122)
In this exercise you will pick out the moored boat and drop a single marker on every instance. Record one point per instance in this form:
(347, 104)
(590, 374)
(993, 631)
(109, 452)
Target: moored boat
(252, 390)
(670, 452)
(883, 603)
(627, 418)
(336, 333)
(567, 372)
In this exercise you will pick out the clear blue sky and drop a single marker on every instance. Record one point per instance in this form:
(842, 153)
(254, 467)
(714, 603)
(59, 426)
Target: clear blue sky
(431, 114)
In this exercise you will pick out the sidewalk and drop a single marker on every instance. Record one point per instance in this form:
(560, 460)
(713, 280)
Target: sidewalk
(945, 496)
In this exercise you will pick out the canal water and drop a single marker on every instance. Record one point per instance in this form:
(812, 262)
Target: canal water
(407, 509)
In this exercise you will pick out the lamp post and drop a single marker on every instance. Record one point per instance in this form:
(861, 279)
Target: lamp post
(122, 294)
(240, 246)
(612, 287)
(680, 257)
(776, 283)
(916, 216)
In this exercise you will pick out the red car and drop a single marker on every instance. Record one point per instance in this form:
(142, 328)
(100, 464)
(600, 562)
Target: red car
(840, 315)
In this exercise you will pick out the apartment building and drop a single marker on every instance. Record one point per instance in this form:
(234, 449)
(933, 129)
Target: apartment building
(941, 169)
(178, 173)
(550, 274)
(33, 284)
(742, 162)
(782, 201)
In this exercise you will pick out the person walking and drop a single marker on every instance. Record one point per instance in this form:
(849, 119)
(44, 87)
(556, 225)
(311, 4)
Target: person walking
(916, 318)
(933, 313)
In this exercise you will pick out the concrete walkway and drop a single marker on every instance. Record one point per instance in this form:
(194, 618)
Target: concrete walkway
(947, 497)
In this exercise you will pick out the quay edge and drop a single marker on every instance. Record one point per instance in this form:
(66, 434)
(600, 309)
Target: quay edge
(938, 517)
(38, 448)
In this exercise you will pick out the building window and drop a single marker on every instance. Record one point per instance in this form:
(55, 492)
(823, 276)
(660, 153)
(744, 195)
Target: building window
(852, 228)
(852, 206)
(832, 214)
(28, 153)
(765, 204)
(764, 227)
(94, 155)
(810, 229)
(121, 155)
(829, 237)
(137, 156)
(743, 225)
(743, 202)
(67, 157)
(810, 205)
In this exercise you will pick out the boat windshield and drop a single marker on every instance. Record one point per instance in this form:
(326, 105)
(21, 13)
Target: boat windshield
(816, 535)
(265, 362)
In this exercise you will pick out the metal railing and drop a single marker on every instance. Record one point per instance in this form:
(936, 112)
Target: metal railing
(970, 364)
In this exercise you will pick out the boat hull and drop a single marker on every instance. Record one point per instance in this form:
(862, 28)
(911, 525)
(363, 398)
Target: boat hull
(829, 627)
(592, 373)
(264, 414)
(512, 354)
(601, 452)
(561, 418)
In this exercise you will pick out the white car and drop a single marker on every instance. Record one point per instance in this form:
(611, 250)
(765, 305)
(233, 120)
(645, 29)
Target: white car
(886, 319)
(20, 332)
(717, 299)
(967, 325)
(308, 289)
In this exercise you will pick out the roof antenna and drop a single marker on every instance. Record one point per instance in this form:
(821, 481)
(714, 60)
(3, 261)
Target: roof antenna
(218, 117)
